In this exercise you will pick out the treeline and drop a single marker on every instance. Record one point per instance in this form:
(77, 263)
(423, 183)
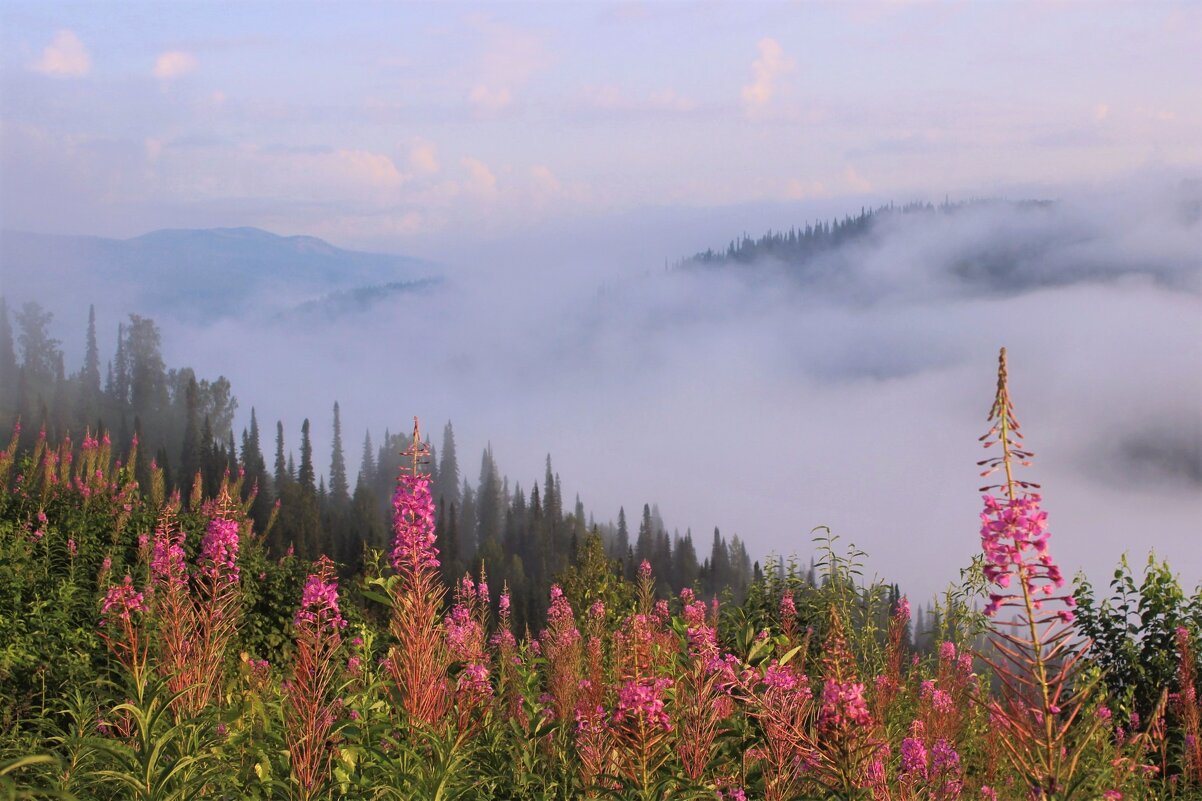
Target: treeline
(798, 246)
(184, 425)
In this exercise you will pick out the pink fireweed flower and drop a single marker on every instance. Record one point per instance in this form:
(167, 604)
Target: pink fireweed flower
(474, 681)
(413, 544)
(644, 699)
(120, 601)
(463, 633)
(167, 561)
(703, 640)
(319, 603)
(644, 570)
(843, 703)
(219, 550)
(788, 609)
(914, 758)
(503, 603)
(1014, 538)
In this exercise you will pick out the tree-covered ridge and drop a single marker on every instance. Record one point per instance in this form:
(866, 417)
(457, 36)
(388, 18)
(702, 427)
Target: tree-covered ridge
(799, 246)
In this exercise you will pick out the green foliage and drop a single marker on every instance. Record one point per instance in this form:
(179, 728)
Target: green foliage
(1133, 631)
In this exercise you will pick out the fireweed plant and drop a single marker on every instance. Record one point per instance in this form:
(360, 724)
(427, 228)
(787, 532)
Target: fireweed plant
(149, 649)
(1036, 656)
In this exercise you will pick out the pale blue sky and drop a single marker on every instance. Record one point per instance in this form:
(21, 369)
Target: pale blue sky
(409, 126)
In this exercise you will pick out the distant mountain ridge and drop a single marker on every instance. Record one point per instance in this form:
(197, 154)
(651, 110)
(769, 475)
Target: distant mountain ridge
(196, 273)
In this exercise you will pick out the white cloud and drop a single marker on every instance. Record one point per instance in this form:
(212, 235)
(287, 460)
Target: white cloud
(65, 56)
(797, 189)
(765, 70)
(509, 56)
(153, 148)
(481, 180)
(488, 98)
(173, 64)
(856, 182)
(609, 97)
(544, 180)
(423, 157)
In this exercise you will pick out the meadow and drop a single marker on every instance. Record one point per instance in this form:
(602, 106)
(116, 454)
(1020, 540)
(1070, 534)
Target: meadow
(152, 648)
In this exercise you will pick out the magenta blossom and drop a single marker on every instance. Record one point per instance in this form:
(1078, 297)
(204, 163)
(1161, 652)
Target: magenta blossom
(120, 601)
(219, 550)
(644, 699)
(413, 544)
(319, 604)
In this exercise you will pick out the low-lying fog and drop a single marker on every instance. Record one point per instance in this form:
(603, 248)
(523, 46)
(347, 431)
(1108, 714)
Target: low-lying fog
(765, 405)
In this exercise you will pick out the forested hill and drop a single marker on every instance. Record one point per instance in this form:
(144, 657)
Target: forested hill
(799, 247)
(201, 274)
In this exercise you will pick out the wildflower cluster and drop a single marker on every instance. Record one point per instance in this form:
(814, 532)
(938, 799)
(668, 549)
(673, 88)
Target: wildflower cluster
(319, 603)
(120, 601)
(413, 544)
(219, 551)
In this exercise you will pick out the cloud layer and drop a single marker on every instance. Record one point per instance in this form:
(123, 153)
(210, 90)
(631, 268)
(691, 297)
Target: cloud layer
(767, 406)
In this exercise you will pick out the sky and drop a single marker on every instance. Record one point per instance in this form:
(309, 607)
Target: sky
(431, 127)
(555, 157)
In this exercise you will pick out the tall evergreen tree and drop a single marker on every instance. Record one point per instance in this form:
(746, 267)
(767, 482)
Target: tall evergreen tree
(256, 473)
(622, 538)
(448, 469)
(339, 489)
(281, 466)
(8, 365)
(307, 476)
(490, 511)
(89, 376)
(192, 451)
(646, 541)
(120, 393)
(367, 466)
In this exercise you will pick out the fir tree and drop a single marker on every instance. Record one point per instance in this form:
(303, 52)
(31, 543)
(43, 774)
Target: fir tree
(8, 365)
(489, 503)
(448, 469)
(339, 490)
(367, 466)
(191, 452)
(89, 376)
(282, 471)
(307, 476)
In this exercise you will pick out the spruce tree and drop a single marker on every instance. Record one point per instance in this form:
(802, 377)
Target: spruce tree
(646, 541)
(89, 376)
(191, 452)
(281, 466)
(622, 538)
(367, 465)
(489, 503)
(448, 469)
(307, 476)
(339, 489)
(8, 366)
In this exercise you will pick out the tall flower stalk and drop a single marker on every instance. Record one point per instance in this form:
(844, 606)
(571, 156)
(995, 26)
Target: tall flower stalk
(311, 702)
(419, 660)
(1035, 654)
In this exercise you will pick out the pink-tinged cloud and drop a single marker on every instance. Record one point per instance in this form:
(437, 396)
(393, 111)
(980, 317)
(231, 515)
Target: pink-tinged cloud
(173, 64)
(765, 71)
(64, 57)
